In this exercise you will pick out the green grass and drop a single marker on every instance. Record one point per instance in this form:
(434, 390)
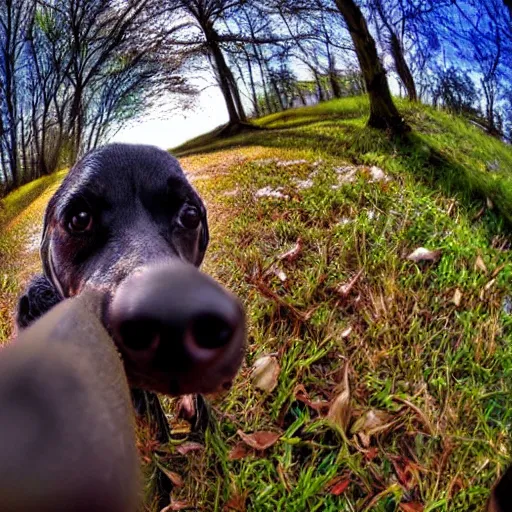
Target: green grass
(20, 218)
(445, 151)
(442, 373)
(437, 374)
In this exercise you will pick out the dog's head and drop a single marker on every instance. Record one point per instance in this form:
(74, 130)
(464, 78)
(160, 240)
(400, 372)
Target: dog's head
(120, 208)
(127, 223)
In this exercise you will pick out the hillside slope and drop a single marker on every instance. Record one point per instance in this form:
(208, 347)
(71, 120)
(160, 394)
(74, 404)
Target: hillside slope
(388, 381)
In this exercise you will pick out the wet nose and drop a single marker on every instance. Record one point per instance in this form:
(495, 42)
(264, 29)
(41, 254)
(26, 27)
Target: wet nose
(176, 318)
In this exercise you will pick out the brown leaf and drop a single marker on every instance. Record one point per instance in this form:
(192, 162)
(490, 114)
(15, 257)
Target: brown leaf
(480, 265)
(412, 506)
(497, 270)
(457, 297)
(370, 423)
(340, 411)
(301, 395)
(259, 440)
(265, 373)
(339, 486)
(345, 289)
(371, 453)
(185, 448)
(291, 255)
(239, 451)
(422, 254)
(176, 479)
(236, 502)
(407, 471)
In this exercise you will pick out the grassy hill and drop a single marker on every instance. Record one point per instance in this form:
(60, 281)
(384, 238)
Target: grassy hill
(388, 381)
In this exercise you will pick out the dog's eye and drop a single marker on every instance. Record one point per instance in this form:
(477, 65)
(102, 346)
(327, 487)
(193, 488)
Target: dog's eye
(190, 217)
(80, 222)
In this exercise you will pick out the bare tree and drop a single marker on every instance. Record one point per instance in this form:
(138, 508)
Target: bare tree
(383, 112)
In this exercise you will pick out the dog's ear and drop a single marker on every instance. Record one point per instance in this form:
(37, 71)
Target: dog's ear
(44, 249)
(39, 297)
(205, 235)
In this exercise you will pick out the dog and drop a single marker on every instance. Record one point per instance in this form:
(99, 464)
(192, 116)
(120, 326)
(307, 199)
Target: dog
(122, 217)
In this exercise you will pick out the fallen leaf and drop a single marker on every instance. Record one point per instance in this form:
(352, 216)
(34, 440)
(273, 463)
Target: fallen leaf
(457, 297)
(265, 373)
(239, 451)
(345, 289)
(185, 448)
(236, 502)
(340, 411)
(259, 440)
(486, 288)
(293, 253)
(176, 505)
(406, 471)
(489, 204)
(176, 479)
(338, 486)
(497, 270)
(412, 506)
(371, 453)
(480, 265)
(422, 254)
(370, 423)
(346, 333)
(301, 395)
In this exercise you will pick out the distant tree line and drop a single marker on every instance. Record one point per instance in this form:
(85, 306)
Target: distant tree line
(72, 72)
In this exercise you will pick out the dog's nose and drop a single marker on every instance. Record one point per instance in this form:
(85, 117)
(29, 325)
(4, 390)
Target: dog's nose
(174, 319)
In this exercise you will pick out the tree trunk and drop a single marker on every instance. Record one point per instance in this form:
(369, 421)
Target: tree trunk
(402, 68)
(397, 52)
(236, 95)
(259, 60)
(383, 112)
(319, 88)
(335, 86)
(222, 69)
(508, 3)
(252, 84)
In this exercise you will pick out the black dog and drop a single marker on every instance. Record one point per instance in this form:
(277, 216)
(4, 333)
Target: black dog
(122, 215)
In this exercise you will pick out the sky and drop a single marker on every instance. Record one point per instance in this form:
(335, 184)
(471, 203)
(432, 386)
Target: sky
(209, 112)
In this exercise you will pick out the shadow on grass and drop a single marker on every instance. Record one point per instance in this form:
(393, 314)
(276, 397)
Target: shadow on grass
(413, 154)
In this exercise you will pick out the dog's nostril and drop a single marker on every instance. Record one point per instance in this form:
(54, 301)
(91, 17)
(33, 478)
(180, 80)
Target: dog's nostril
(138, 334)
(211, 331)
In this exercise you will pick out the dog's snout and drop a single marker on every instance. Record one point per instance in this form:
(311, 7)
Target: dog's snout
(177, 321)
